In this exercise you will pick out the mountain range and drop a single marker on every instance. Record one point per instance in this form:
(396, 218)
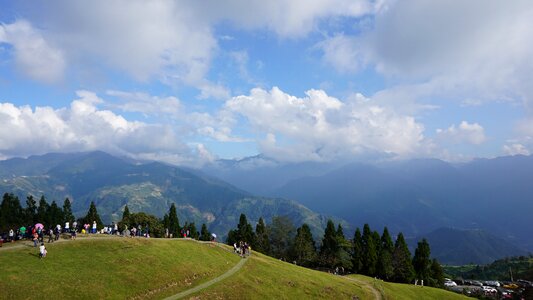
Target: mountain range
(112, 183)
(413, 196)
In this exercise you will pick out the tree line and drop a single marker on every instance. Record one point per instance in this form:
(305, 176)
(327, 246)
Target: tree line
(368, 252)
(13, 216)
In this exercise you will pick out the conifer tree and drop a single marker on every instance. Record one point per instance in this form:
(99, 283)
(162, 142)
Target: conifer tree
(67, 211)
(384, 268)
(11, 216)
(370, 255)
(55, 214)
(422, 261)
(330, 246)
(342, 257)
(92, 215)
(357, 252)
(281, 236)
(437, 274)
(401, 261)
(193, 232)
(31, 210)
(303, 248)
(245, 231)
(173, 221)
(205, 235)
(262, 243)
(42, 211)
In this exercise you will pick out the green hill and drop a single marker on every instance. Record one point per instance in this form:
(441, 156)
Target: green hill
(120, 268)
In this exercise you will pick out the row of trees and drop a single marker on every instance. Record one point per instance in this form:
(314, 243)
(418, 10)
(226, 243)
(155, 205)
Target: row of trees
(13, 216)
(367, 253)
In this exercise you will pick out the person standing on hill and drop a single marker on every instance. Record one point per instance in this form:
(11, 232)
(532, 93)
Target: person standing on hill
(42, 251)
(11, 235)
(67, 227)
(50, 235)
(94, 227)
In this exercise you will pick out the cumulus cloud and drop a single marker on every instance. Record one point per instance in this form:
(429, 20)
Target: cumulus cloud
(147, 104)
(464, 133)
(515, 149)
(34, 56)
(447, 49)
(84, 127)
(321, 127)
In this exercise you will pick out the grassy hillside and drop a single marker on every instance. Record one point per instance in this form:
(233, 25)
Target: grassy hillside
(118, 268)
(397, 291)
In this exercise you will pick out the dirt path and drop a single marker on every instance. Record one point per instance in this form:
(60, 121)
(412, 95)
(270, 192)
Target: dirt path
(368, 286)
(205, 285)
(29, 244)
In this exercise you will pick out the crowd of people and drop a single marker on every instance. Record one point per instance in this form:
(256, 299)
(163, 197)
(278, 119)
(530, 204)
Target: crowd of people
(243, 249)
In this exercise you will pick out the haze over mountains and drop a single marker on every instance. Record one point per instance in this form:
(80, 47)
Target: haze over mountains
(414, 197)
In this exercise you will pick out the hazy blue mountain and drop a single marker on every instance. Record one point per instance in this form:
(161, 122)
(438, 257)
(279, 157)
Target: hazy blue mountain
(151, 187)
(459, 247)
(418, 196)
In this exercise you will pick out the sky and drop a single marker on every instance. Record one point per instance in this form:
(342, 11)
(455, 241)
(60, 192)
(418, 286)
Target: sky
(190, 82)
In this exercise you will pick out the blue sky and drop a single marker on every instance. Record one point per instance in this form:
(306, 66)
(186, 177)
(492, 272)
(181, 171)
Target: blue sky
(188, 82)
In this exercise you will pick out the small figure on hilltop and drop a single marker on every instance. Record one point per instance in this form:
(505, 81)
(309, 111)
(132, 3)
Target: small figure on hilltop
(42, 251)
(50, 235)
(94, 227)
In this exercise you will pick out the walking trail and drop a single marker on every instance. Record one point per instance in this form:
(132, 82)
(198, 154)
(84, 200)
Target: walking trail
(368, 286)
(205, 285)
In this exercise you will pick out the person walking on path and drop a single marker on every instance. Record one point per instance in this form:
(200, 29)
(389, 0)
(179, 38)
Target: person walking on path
(94, 227)
(50, 235)
(11, 235)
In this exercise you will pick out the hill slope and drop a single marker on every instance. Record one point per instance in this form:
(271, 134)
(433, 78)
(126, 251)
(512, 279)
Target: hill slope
(152, 187)
(119, 268)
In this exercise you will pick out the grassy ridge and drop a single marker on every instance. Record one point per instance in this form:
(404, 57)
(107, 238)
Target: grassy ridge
(266, 278)
(110, 268)
(397, 291)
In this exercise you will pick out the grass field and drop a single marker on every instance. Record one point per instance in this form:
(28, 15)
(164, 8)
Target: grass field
(119, 268)
(397, 291)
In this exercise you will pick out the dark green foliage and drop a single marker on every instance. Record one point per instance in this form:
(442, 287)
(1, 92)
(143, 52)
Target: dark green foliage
(422, 261)
(384, 267)
(173, 222)
(126, 215)
(330, 246)
(370, 254)
(303, 248)
(343, 257)
(357, 252)
(92, 215)
(282, 232)
(497, 270)
(11, 213)
(401, 261)
(30, 212)
(436, 274)
(154, 224)
(55, 214)
(205, 235)
(262, 242)
(42, 211)
(67, 211)
(193, 232)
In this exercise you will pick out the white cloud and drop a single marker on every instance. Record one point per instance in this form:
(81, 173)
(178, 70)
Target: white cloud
(464, 133)
(515, 149)
(35, 57)
(320, 127)
(342, 53)
(147, 104)
(448, 49)
(85, 127)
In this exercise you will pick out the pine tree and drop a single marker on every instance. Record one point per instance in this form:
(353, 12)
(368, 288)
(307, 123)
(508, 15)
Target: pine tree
(205, 235)
(370, 256)
(173, 221)
(67, 211)
(437, 274)
(357, 252)
(303, 248)
(31, 210)
(330, 246)
(92, 215)
(42, 212)
(422, 261)
(262, 243)
(55, 214)
(384, 268)
(245, 231)
(12, 215)
(193, 232)
(401, 261)
(281, 236)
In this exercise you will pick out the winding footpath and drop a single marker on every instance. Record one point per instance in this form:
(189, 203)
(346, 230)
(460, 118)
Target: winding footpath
(205, 285)
(368, 286)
